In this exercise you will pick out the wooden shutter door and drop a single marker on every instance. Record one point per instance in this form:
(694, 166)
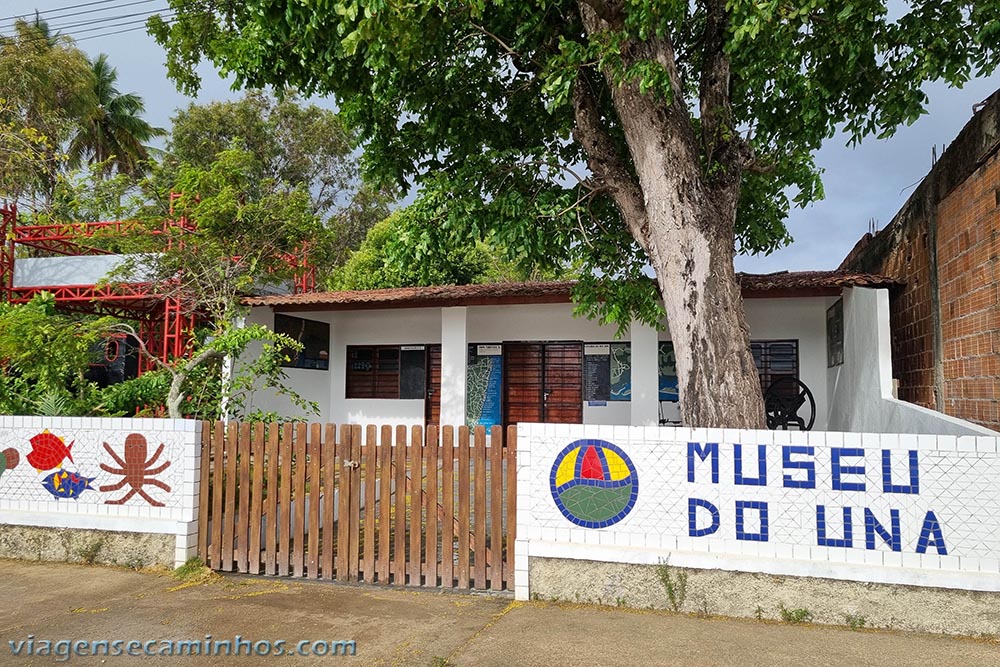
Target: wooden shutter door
(522, 377)
(563, 383)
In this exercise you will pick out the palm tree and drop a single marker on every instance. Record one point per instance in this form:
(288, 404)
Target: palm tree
(113, 132)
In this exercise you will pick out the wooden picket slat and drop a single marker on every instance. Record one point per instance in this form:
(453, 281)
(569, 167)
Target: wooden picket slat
(343, 501)
(299, 501)
(204, 485)
(463, 507)
(369, 477)
(243, 493)
(431, 507)
(256, 498)
(229, 504)
(285, 484)
(447, 506)
(479, 506)
(218, 486)
(416, 502)
(329, 455)
(384, 508)
(313, 454)
(399, 508)
(496, 508)
(355, 511)
(271, 514)
(511, 454)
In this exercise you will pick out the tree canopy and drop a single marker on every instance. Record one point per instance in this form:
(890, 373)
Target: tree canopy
(112, 132)
(613, 132)
(405, 250)
(45, 87)
(291, 142)
(60, 110)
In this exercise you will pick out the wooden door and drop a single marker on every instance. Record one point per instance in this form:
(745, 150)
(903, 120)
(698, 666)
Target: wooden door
(563, 394)
(543, 382)
(432, 397)
(522, 378)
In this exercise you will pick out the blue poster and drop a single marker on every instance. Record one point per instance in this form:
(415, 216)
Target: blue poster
(621, 372)
(668, 372)
(483, 386)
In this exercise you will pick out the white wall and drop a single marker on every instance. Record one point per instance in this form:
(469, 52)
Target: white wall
(310, 383)
(861, 387)
(416, 326)
(31, 497)
(454, 364)
(803, 320)
(938, 509)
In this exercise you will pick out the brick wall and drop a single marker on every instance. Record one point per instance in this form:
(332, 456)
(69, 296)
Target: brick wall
(943, 244)
(968, 241)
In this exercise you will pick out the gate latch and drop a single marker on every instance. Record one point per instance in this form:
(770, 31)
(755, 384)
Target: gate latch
(352, 464)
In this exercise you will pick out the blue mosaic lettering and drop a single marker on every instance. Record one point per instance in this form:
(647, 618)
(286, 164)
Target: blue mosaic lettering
(761, 479)
(693, 505)
(873, 526)
(710, 449)
(931, 536)
(888, 486)
(838, 470)
(824, 541)
(808, 465)
(741, 534)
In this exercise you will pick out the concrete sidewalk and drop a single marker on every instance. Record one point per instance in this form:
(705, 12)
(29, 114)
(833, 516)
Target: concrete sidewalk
(403, 627)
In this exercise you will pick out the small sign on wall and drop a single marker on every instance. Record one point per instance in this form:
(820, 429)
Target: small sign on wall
(607, 372)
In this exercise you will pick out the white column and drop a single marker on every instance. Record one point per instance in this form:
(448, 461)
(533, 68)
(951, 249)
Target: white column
(645, 375)
(454, 360)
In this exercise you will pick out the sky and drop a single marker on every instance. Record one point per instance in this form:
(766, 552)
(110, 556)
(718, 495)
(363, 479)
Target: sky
(871, 181)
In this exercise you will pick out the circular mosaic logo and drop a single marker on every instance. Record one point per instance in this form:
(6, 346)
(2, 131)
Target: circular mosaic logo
(594, 483)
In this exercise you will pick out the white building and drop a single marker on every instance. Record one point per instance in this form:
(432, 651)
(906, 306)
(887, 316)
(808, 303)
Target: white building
(507, 353)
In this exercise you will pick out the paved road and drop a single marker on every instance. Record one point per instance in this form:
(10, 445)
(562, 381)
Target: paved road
(402, 627)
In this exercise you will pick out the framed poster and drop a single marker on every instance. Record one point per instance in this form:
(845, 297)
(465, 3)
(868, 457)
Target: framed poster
(668, 371)
(484, 386)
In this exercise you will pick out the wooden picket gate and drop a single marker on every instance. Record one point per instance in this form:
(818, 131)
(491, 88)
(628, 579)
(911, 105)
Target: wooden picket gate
(392, 507)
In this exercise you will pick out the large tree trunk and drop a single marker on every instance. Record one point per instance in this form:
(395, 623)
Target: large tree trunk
(686, 223)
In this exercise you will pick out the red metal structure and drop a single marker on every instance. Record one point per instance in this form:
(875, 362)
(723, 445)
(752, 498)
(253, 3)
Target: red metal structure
(163, 324)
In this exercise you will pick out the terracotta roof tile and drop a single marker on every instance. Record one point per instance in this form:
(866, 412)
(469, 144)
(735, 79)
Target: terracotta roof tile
(539, 292)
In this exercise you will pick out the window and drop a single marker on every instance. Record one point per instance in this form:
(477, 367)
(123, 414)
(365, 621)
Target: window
(315, 339)
(775, 359)
(835, 334)
(386, 371)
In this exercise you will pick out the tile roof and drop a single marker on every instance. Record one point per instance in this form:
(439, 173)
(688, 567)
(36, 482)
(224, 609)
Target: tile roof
(754, 285)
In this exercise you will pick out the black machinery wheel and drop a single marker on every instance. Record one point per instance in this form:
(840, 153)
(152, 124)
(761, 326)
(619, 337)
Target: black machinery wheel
(788, 402)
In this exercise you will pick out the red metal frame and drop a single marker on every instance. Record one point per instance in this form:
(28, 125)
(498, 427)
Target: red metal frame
(165, 326)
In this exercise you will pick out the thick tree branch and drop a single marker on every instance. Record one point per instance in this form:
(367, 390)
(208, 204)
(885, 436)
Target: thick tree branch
(606, 162)
(714, 92)
(610, 13)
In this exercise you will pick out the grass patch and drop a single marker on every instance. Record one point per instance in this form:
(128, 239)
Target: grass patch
(855, 621)
(193, 571)
(795, 615)
(674, 583)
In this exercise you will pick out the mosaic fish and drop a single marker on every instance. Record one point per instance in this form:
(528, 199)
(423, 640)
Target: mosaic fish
(65, 484)
(9, 458)
(48, 451)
